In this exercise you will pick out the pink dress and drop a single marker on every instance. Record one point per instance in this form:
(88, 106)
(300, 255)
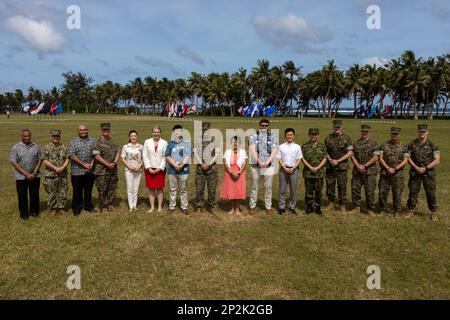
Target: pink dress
(233, 189)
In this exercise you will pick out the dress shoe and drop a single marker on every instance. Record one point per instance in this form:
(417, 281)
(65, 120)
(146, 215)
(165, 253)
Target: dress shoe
(281, 211)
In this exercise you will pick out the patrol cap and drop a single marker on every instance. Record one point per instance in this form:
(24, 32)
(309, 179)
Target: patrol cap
(395, 130)
(206, 125)
(337, 123)
(55, 132)
(313, 131)
(365, 128)
(105, 125)
(422, 127)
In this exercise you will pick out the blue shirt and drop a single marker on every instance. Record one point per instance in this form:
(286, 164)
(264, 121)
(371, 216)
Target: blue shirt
(178, 151)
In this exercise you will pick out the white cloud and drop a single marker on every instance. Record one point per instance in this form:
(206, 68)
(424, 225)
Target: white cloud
(440, 13)
(41, 35)
(293, 32)
(185, 52)
(377, 61)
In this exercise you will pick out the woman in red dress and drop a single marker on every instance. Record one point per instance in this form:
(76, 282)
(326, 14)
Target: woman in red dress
(234, 183)
(155, 168)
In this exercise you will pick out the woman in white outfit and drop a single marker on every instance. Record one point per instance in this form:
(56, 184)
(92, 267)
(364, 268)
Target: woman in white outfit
(155, 167)
(132, 158)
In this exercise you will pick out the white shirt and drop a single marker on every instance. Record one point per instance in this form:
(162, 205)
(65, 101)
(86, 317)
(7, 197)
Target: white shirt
(152, 159)
(289, 153)
(239, 162)
(132, 154)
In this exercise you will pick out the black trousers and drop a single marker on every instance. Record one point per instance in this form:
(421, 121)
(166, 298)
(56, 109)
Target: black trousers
(82, 192)
(25, 187)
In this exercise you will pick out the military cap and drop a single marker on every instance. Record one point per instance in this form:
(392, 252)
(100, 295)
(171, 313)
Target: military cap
(206, 125)
(422, 127)
(313, 131)
(365, 127)
(395, 130)
(55, 132)
(105, 125)
(337, 123)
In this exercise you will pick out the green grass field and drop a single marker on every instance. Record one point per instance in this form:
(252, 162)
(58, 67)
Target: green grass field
(202, 256)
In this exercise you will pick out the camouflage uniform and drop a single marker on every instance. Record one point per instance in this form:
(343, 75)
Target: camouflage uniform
(313, 153)
(106, 179)
(210, 177)
(337, 146)
(363, 151)
(393, 154)
(422, 154)
(55, 184)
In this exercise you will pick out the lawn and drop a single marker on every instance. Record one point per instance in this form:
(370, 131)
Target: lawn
(203, 256)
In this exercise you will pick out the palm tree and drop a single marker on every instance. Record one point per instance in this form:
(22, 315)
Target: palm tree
(291, 70)
(355, 85)
(258, 78)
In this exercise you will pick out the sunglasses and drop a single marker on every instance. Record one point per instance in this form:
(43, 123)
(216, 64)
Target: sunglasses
(264, 125)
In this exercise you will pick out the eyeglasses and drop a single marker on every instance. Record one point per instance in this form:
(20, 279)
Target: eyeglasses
(264, 125)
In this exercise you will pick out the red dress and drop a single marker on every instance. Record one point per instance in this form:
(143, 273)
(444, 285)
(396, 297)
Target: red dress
(155, 181)
(233, 189)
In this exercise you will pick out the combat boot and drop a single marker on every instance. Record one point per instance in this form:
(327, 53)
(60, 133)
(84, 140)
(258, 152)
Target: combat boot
(319, 210)
(354, 210)
(330, 207)
(409, 214)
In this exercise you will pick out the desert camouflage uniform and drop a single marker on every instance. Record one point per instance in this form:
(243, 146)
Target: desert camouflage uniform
(209, 177)
(422, 154)
(106, 180)
(363, 151)
(55, 184)
(393, 154)
(337, 146)
(314, 153)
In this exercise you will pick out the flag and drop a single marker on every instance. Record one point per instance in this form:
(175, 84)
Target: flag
(60, 108)
(270, 110)
(248, 111)
(255, 110)
(192, 109)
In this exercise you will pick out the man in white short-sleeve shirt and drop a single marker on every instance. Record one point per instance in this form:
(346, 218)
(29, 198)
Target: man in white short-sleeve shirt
(289, 155)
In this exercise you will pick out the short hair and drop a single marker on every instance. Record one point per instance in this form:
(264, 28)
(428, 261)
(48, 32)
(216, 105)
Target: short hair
(22, 131)
(264, 121)
(236, 138)
(156, 128)
(289, 130)
(177, 126)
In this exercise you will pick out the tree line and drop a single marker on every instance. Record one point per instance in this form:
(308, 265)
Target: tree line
(416, 87)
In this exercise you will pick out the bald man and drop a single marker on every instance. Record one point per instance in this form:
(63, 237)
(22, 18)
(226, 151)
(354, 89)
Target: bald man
(80, 153)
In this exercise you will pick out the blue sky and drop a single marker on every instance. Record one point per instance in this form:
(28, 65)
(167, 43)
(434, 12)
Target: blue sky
(120, 40)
